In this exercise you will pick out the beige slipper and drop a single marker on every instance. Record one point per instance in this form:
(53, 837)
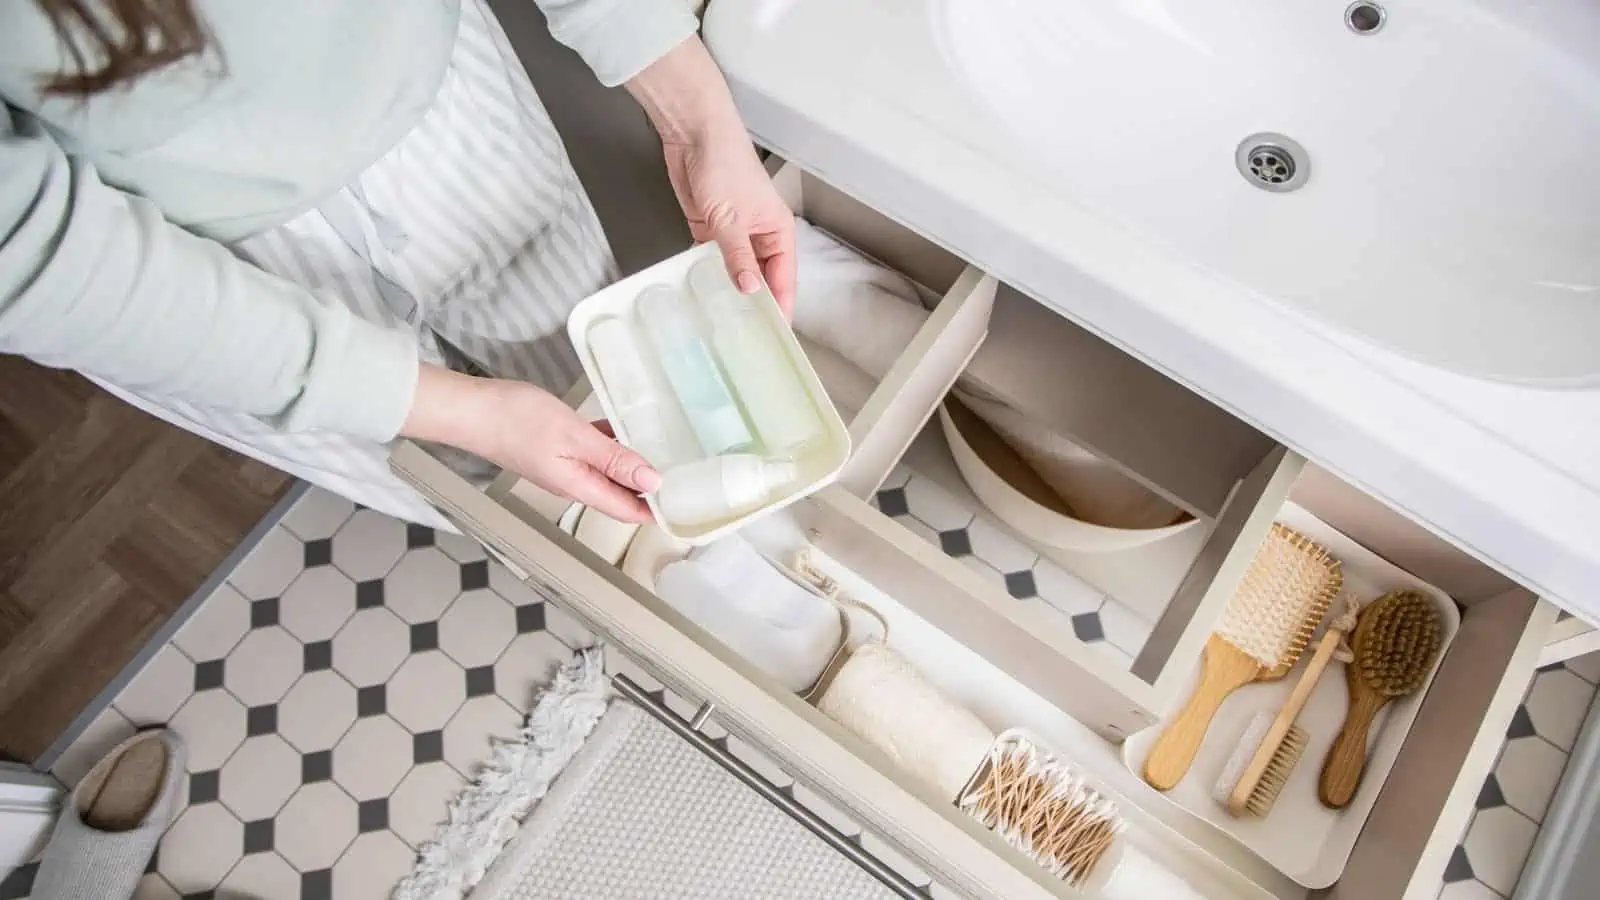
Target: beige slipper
(112, 823)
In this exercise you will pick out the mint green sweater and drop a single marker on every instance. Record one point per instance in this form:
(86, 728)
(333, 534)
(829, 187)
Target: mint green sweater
(112, 210)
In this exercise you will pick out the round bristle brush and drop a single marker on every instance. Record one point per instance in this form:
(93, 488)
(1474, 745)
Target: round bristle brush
(1395, 645)
(1273, 744)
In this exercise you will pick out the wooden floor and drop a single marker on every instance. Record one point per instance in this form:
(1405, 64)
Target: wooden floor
(109, 519)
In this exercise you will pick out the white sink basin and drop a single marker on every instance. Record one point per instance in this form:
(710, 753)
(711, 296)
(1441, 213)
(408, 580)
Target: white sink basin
(1397, 319)
(1452, 209)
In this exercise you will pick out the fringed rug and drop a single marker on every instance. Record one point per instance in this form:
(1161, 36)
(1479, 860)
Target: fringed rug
(606, 803)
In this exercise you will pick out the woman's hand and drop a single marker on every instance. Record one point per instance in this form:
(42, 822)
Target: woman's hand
(723, 189)
(531, 432)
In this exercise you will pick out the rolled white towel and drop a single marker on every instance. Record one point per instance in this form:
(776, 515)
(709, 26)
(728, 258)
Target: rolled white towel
(859, 309)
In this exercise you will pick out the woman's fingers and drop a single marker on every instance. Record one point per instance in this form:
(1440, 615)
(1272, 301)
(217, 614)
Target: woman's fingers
(776, 251)
(734, 240)
(600, 452)
(593, 489)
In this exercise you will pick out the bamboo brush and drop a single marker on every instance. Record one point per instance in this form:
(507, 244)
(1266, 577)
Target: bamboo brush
(1266, 626)
(1272, 745)
(1395, 645)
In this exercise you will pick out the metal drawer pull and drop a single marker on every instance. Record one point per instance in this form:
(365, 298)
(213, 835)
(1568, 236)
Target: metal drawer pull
(813, 823)
(701, 716)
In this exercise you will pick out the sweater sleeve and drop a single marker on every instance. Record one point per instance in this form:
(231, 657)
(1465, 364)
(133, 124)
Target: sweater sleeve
(97, 280)
(619, 38)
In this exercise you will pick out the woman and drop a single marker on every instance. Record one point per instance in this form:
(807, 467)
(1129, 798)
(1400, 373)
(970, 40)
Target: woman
(273, 223)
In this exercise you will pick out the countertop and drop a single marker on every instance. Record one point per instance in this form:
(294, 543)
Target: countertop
(862, 99)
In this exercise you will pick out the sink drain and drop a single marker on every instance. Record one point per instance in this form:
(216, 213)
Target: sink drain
(1272, 162)
(1365, 18)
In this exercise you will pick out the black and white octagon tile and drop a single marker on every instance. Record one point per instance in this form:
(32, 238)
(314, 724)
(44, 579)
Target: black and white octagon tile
(1513, 801)
(964, 531)
(335, 694)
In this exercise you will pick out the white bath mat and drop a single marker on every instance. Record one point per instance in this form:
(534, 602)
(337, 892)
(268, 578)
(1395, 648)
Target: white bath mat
(486, 816)
(640, 814)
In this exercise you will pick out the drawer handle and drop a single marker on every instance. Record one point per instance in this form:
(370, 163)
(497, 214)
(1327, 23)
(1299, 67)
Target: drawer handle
(812, 822)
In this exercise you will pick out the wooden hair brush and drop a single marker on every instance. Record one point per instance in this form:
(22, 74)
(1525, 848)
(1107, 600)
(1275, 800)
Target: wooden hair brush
(1266, 626)
(1395, 644)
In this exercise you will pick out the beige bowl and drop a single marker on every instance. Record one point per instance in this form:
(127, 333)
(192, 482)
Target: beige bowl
(1017, 496)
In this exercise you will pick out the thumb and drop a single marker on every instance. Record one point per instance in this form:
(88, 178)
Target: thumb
(743, 267)
(605, 455)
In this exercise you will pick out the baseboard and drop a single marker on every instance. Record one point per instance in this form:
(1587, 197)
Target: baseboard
(1563, 860)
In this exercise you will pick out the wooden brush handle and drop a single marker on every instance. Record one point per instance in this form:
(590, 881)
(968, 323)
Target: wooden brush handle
(1347, 758)
(1226, 669)
(1285, 720)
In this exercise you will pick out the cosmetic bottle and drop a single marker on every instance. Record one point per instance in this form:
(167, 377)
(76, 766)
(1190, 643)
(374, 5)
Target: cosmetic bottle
(650, 418)
(722, 487)
(768, 386)
(671, 326)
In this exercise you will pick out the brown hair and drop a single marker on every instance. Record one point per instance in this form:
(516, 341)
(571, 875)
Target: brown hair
(114, 42)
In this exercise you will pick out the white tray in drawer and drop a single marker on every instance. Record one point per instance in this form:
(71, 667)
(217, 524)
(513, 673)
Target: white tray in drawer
(1302, 838)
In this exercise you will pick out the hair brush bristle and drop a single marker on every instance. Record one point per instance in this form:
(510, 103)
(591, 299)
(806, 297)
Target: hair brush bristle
(1280, 765)
(1291, 582)
(1279, 768)
(1396, 641)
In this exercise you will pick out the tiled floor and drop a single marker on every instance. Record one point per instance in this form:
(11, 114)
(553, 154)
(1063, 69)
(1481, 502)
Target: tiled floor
(965, 532)
(334, 694)
(1489, 860)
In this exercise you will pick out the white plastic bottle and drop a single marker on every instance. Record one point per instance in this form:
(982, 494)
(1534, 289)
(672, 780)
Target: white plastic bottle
(767, 384)
(650, 418)
(670, 325)
(722, 487)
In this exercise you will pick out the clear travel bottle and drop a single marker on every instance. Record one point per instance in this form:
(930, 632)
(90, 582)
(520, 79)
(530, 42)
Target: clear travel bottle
(670, 324)
(650, 418)
(768, 385)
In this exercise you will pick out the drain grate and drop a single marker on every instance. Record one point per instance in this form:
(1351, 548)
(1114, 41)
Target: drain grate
(1271, 165)
(1272, 162)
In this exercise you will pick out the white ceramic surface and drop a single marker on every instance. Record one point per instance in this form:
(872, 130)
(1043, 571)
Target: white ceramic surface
(903, 118)
(1039, 523)
(1300, 837)
(1453, 206)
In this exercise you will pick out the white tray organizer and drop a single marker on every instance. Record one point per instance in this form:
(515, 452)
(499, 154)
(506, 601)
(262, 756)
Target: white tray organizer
(1300, 837)
(821, 465)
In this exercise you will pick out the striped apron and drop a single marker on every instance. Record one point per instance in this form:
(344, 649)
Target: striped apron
(473, 233)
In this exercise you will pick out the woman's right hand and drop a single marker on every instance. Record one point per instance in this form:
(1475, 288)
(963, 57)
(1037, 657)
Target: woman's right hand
(531, 432)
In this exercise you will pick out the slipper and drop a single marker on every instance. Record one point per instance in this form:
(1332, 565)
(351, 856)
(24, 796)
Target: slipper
(111, 825)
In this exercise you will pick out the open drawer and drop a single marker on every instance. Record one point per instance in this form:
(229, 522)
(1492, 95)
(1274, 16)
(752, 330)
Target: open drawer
(1011, 660)
(1205, 462)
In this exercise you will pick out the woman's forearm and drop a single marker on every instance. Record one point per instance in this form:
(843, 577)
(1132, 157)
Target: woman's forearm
(685, 95)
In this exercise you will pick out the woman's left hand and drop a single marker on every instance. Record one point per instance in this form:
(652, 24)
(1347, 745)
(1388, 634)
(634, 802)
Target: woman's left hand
(728, 198)
(721, 185)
